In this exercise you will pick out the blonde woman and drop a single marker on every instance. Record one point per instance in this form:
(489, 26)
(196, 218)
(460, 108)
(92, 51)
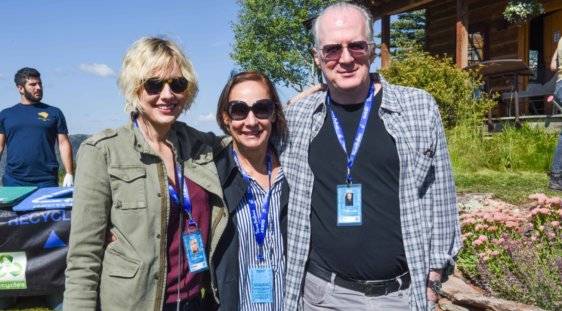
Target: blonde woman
(151, 185)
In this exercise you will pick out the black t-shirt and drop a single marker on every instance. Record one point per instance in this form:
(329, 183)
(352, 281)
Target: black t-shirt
(373, 250)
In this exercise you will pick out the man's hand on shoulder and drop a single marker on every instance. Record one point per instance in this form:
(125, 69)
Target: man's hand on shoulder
(309, 91)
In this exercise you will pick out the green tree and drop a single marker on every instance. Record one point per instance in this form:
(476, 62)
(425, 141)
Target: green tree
(407, 32)
(270, 37)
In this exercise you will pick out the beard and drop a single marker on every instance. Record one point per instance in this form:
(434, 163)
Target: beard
(31, 98)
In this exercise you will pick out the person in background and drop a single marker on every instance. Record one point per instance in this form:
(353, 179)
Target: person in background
(556, 170)
(384, 143)
(151, 185)
(29, 131)
(249, 262)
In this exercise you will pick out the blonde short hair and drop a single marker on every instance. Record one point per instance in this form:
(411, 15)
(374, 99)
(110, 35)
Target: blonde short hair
(150, 57)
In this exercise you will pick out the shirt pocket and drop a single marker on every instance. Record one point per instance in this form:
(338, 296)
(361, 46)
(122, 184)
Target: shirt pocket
(128, 185)
(422, 165)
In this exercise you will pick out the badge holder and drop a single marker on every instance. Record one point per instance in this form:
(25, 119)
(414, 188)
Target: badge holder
(194, 248)
(349, 205)
(261, 285)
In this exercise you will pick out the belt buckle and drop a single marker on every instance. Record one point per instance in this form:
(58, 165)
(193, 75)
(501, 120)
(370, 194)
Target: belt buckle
(370, 289)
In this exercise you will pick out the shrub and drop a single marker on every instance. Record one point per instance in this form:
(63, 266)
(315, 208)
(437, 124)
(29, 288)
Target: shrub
(453, 89)
(516, 253)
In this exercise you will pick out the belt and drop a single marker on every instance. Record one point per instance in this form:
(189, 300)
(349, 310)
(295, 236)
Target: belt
(369, 288)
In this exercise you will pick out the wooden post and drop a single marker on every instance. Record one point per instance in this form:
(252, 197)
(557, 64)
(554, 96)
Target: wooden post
(462, 33)
(385, 41)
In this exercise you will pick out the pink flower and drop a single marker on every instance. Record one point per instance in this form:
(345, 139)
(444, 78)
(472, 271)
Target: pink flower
(488, 252)
(495, 253)
(468, 234)
(541, 228)
(477, 242)
(551, 234)
(544, 211)
(483, 238)
(511, 224)
(492, 229)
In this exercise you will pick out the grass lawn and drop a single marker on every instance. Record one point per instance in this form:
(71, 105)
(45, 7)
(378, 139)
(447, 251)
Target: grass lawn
(510, 187)
(29, 304)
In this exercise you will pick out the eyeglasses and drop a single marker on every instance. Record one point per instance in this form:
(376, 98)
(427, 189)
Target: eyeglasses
(238, 110)
(331, 52)
(154, 86)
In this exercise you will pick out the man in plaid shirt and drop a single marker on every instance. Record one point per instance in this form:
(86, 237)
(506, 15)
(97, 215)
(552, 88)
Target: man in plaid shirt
(385, 144)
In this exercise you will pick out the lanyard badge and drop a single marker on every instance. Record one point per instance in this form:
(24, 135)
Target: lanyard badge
(261, 278)
(192, 239)
(349, 201)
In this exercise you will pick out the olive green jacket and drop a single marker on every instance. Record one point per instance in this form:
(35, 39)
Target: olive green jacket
(121, 187)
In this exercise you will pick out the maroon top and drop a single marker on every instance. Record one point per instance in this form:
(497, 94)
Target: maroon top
(190, 282)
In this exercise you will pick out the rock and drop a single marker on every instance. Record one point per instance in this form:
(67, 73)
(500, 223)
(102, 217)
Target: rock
(452, 307)
(465, 295)
(472, 201)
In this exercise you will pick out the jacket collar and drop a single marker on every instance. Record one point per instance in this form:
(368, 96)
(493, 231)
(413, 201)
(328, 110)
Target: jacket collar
(191, 147)
(390, 97)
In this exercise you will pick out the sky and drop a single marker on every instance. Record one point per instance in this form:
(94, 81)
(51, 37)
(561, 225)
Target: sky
(78, 46)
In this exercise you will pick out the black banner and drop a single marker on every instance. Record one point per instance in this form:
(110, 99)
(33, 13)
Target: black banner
(33, 248)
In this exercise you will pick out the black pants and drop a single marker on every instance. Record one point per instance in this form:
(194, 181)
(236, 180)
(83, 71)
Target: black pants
(191, 304)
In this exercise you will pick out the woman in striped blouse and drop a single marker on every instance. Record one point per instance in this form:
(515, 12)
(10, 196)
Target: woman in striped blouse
(248, 265)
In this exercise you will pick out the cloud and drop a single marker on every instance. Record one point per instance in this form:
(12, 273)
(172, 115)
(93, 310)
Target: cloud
(101, 70)
(219, 44)
(1, 76)
(206, 118)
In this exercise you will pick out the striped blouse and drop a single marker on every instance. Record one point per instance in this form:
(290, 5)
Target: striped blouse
(273, 245)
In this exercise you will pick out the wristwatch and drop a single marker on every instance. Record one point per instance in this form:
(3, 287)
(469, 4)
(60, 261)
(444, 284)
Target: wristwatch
(436, 286)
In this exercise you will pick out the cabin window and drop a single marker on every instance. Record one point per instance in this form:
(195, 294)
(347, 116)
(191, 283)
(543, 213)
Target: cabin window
(477, 44)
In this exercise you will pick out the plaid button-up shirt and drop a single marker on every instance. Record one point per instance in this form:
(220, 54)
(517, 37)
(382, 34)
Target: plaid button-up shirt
(428, 213)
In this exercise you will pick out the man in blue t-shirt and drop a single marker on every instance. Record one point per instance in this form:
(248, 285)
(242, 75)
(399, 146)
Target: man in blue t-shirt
(29, 130)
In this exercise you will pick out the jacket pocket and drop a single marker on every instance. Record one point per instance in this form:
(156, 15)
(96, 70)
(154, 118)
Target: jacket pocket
(123, 267)
(128, 187)
(120, 281)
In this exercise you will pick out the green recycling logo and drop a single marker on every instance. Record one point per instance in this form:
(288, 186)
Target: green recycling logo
(7, 265)
(12, 270)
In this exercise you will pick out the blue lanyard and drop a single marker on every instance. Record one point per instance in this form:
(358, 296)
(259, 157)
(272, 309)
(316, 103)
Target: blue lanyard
(186, 201)
(360, 130)
(259, 222)
(174, 195)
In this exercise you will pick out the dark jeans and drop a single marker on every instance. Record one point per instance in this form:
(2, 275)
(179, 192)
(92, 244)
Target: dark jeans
(191, 304)
(557, 158)
(10, 181)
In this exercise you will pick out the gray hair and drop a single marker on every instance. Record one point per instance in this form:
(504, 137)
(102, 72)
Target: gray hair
(342, 6)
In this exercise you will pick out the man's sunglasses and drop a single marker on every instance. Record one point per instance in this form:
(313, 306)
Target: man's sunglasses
(154, 86)
(331, 52)
(238, 110)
